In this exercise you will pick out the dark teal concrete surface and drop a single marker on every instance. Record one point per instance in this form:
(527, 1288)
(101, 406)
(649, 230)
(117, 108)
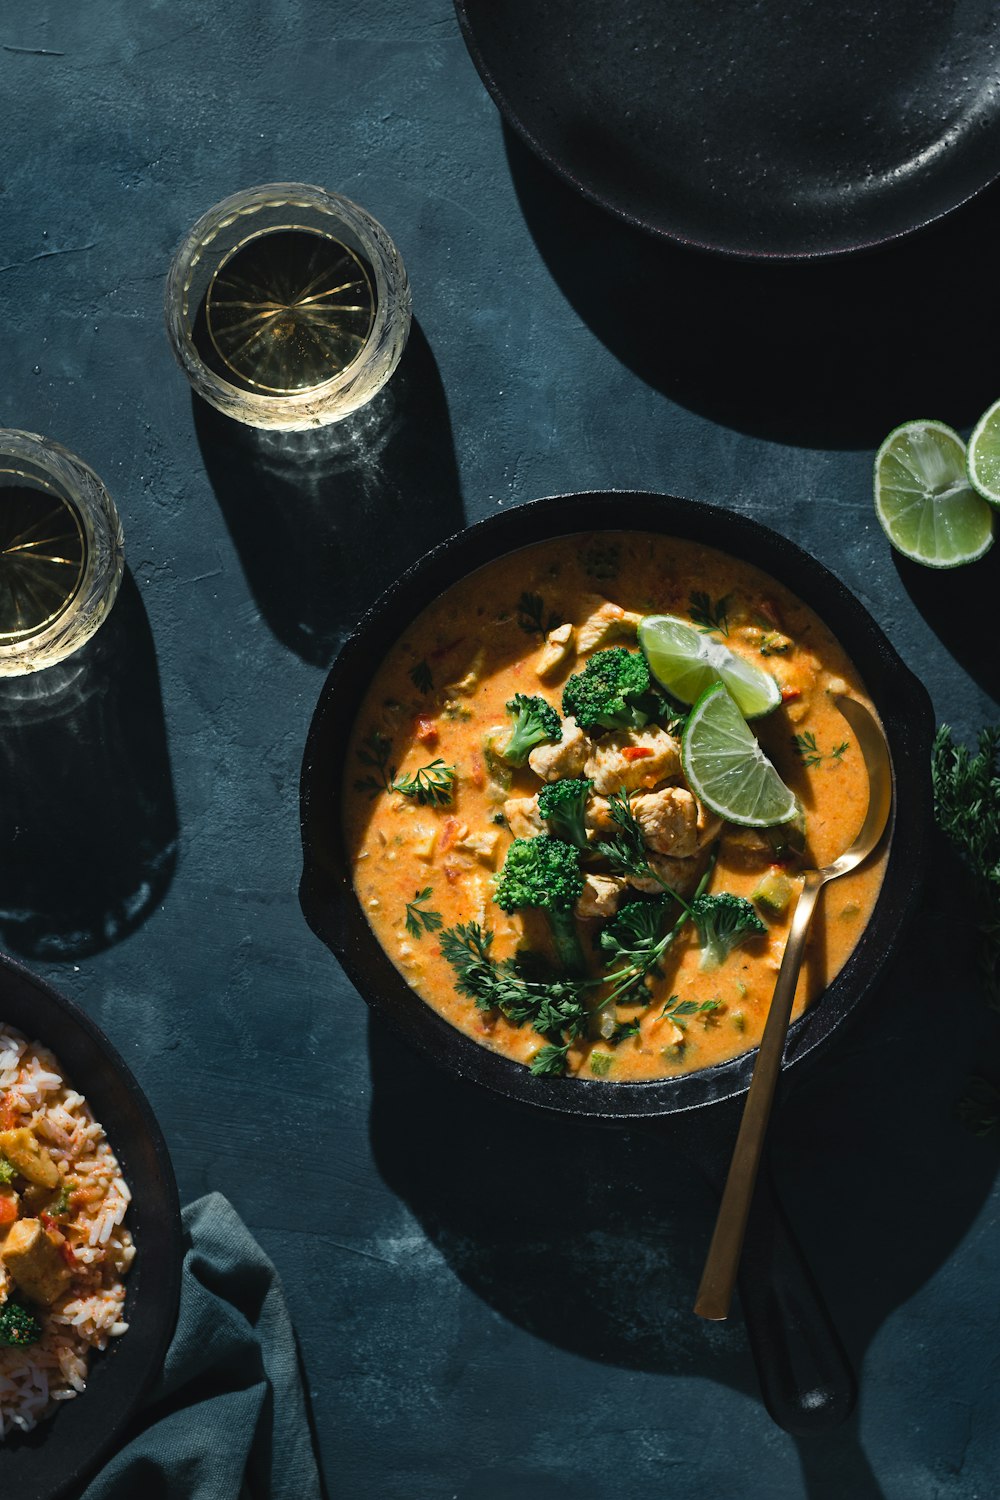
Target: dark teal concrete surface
(489, 1308)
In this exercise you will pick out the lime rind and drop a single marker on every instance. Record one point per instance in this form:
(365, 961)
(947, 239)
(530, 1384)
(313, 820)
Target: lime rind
(726, 767)
(686, 662)
(983, 456)
(924, 501)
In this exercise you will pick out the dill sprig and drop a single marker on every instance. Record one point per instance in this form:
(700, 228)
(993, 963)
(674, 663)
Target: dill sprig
(967, 809)
(709, 614)
(810, 752)
(418, 919)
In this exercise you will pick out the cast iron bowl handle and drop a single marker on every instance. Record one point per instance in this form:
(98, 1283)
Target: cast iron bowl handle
(806, 1379)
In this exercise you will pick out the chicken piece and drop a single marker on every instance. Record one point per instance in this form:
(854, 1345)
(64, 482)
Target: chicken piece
(600, 896)
(633, 758)
(523, 818)
(674, 822)
(608, 624)
(482, 845)
(567, 758)
(680, 874)
(597, 815)
(669, 821)
(423, 843)
(33, 1257)
(556, 653)
(30, 1158)
(748, 848)
(469, 681)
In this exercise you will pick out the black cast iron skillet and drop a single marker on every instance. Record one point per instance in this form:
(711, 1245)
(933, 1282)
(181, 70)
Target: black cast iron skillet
(771, 129)
(61, 1452)
(805, 1378)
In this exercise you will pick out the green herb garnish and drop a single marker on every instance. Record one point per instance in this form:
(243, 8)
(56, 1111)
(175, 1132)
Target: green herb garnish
(531, 615)
(431, 785)
(521, 989)
(810, 752)
(422, 678)
(967, 809)
(709, 615)
(419, 921)
(375, 751)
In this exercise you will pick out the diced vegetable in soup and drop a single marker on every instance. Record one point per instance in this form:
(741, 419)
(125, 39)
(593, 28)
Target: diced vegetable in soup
(525, 845)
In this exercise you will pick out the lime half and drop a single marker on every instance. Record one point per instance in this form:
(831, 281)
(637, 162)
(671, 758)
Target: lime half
(726, 767)
(984, 455)
(923, 498)
(687, 662)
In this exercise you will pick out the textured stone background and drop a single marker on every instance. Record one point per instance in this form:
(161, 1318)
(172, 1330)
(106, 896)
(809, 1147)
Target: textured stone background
(524, 1331)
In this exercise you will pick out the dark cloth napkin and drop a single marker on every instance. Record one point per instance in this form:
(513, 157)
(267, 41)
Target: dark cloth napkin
(227, 1418)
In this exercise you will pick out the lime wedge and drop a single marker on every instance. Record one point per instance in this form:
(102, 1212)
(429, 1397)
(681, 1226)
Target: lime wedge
(923, 498)
(726, 767)
(984, 455)
(687, 662)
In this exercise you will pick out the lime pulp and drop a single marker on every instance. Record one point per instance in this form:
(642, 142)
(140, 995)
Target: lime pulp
(686, 662)
(924, 501)
(984, 455)
(725, 766)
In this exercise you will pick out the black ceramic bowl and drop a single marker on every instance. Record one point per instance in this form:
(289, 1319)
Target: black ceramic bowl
(60, 1453)
(335, 915)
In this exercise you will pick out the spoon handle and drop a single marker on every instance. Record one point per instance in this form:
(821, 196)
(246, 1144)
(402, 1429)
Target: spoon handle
(722, 1263)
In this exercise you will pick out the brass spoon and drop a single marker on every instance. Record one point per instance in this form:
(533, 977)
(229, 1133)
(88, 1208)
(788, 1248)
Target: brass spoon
(719, 1276)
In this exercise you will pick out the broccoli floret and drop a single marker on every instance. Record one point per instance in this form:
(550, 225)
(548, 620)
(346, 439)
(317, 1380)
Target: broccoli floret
(562, 805)
(724, 922)
(614, 691)
(545, 873)
(535, 721)
(17, 1326)
(8, 1172)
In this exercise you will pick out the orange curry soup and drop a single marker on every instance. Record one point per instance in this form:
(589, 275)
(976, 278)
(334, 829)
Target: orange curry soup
(441, 695)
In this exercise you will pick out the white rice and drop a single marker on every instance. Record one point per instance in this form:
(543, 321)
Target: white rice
(33, 1092)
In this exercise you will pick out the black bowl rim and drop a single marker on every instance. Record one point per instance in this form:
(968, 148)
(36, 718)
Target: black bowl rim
(746, 254)
(169, 1257)
(328, 900)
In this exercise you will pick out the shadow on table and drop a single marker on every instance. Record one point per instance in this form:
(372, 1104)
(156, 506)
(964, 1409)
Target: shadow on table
(828, 354)
(324, 520)
(88, 821)
(959, 604)
(594, 1239)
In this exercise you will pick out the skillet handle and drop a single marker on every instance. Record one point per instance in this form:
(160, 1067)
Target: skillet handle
(805, 1377)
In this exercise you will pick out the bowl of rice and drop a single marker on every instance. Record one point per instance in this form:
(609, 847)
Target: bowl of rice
(90, 1242)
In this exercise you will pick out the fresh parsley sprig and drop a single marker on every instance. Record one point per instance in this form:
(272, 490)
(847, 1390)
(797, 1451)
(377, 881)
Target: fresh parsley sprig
(374, 751)
(967, 809)
(709, 614)
(431, 785)
(638, 942)
(521, 990)
(531, 615)
(679, 1010)
(420, 920)
(422, 677)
